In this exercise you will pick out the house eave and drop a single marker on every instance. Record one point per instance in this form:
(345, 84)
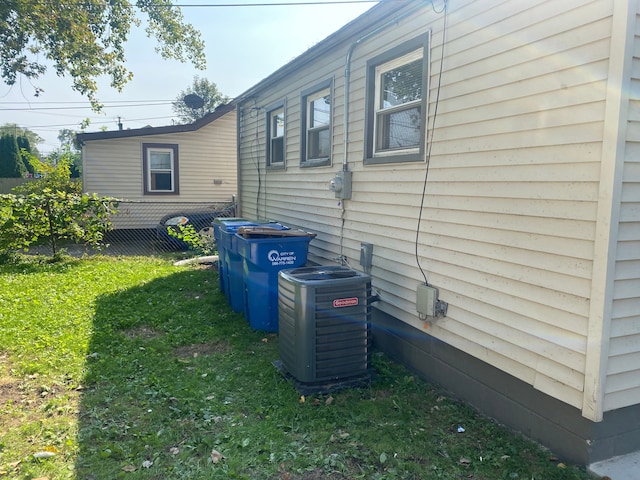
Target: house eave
(81, 138)
(351, 30)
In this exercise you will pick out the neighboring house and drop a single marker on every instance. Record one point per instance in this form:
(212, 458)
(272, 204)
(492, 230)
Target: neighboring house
(170, 167)
(501, 166)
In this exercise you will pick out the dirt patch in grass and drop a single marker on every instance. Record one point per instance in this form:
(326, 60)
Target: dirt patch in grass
(10, 391)
(197, 349)
(143, 332)
(26, 395)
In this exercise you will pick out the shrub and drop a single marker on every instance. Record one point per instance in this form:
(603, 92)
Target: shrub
(52, 208)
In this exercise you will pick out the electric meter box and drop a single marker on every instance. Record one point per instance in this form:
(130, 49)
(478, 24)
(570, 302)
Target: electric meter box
(324, 323)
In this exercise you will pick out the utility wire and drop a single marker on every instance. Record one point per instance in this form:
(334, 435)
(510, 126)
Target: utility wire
(274, 4)
(84, 102)
(33, 109)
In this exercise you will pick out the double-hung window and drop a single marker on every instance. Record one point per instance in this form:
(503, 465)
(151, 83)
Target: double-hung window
(397, 104)
(316, 126)
(160, 168)
(276, 136)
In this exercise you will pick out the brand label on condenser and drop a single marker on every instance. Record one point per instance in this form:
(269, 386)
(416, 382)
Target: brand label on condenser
(281, 258)
(345, 302)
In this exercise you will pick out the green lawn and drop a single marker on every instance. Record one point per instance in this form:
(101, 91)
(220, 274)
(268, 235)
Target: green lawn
(135, 368)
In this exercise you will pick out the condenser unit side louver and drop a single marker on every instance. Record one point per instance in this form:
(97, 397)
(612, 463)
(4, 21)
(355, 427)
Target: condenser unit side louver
(324, 315)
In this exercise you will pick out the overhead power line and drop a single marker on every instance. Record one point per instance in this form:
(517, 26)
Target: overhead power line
(268, 4)
(33, 109)
(84, 102)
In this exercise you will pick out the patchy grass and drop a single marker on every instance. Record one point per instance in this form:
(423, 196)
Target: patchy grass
(134, 368)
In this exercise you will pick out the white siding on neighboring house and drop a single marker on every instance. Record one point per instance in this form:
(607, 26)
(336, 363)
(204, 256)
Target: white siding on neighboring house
(510, 213)
(623, 373)
(113, 166)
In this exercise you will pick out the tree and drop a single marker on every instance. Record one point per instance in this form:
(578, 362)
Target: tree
(69, 149)
(207, 91)
(52, 208)
(11, 165)
(33, 138)
(86, 40)
(24, 147)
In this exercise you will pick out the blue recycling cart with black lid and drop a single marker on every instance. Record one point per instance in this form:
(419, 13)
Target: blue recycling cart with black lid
(229, 261)
(264, 252)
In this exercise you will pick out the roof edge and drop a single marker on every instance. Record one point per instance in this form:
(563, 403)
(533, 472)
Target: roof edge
(146, 131)
(355, 27)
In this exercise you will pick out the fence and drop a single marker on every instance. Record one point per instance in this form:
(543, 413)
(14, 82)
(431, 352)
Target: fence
(8, 184)
(139, 228)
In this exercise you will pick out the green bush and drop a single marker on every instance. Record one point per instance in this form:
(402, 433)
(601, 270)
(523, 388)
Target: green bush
(52, 209)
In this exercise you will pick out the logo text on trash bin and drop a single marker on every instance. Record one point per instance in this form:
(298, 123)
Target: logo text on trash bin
(345, 302)
(281, 258)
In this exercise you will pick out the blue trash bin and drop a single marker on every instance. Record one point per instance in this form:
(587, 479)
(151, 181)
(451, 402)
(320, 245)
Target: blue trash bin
(219, 224)
(231, 262)
(264, 254)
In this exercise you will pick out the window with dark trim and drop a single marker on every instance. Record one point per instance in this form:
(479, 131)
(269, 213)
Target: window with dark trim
(160, 168)
(276, 135)
(396, 103)
(316, 119)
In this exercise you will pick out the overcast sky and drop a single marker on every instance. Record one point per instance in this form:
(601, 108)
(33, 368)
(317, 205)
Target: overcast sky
(244, 44)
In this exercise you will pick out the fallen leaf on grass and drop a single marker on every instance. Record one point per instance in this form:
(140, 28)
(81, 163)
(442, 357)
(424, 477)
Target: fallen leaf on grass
(328, 401)
(464, 461)
(129, 468)
(174, 450)
(302, 399)
(216, 456)
(41, 478)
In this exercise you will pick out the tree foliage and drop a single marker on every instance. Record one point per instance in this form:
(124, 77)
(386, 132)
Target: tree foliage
(207, 91)
(86, 40)
(11, 164)
(70, 150)
(32, 137)
(24, 146)
(51, 209)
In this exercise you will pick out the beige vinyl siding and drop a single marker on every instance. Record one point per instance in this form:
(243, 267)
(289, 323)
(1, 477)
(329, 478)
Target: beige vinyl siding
(622, 386)
(509, 221)
(113, 167)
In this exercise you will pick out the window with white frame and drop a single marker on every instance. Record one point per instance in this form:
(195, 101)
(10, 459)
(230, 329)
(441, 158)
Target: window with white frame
(316, 126)
(160, 168)
(275, 136)
(396, 104)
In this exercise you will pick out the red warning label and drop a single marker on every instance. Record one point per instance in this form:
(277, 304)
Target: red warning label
(345, 302)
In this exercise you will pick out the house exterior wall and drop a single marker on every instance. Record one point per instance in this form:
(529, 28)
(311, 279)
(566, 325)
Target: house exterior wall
(113, 167)
(622, 385)
(512, 213)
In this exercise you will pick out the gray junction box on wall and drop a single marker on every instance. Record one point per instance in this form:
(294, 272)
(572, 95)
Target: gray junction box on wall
(324, 323)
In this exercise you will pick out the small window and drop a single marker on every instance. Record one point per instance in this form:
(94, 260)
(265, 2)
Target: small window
(275, 136)
(396, 104)
(160, 168)
(316, 126)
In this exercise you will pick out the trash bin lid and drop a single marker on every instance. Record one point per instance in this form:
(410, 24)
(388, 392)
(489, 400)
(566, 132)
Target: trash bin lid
(272, 230)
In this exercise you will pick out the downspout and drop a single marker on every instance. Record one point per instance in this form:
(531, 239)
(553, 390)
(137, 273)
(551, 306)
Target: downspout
(347, 89)
(238, 201)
